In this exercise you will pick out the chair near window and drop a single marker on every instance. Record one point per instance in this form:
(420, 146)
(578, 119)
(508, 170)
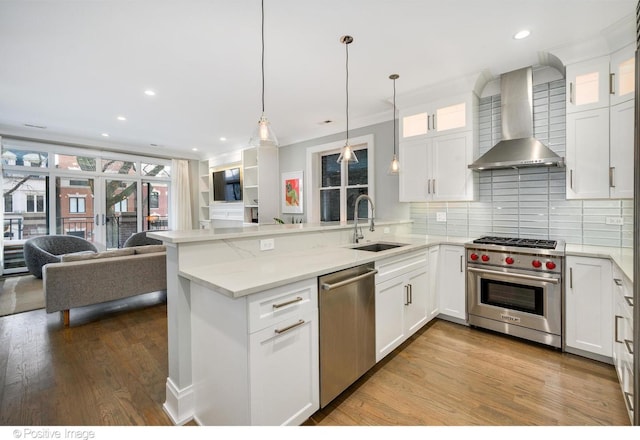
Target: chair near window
(45, 249)
(140, 239)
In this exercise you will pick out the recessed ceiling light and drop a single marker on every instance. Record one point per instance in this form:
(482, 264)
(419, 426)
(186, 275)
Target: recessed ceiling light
(150, 93)
(223, 139)
(194, 149)
(105, 135)
(522, 34)
(121, 118)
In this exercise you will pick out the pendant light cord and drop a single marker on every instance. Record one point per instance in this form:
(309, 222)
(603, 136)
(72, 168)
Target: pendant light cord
(394, 117)
(263, 56)
(347, 87)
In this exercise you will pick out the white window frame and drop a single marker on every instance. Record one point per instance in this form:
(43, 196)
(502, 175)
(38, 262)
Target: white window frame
(314, 174)
(77, 198)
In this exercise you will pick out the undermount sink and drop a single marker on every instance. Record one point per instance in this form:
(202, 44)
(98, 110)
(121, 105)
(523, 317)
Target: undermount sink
(377, 247)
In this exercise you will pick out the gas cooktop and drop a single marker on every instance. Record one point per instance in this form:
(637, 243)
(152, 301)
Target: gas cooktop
(517, 242)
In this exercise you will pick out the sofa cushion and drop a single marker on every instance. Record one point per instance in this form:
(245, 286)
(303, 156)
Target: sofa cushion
(150, 248)
(80, 256)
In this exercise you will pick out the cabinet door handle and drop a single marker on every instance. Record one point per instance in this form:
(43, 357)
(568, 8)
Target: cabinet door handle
(618, 281)
(433, 118)
(406, 294)
(612, 183)
(571, 278)
(615, 328)
(428, 122)
(612, 83)
(571, 92)
(461, 263)
(571, 179)
(629, 300)
(429, 185)
(410, 293)
(629, 398)
(434, 186)
(286, 303)
(629, 345)
(290, 327)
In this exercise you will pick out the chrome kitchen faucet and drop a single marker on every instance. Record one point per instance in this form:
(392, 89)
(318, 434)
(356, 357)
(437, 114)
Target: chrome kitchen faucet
(358, 236)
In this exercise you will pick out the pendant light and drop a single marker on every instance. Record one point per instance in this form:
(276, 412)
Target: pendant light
(347, 154)
(263, 134)
(394, 167)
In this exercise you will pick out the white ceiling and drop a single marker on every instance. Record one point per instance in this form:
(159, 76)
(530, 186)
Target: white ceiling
(73, 66)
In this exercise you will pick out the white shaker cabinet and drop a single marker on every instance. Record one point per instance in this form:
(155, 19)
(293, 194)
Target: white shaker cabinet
(433, 302)
(435, 169)
(451, 283)
(588, 307)
(600, 127)
(255, 358)
(443, 116)
(401, 300)
(623, 336)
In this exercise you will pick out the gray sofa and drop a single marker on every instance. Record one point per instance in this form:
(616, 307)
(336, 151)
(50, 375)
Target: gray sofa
(83, 279)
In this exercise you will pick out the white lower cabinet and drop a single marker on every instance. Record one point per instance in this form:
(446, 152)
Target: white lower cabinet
(623, 336)
(255, 358)
(452, 294)
(402, 286)
(433, 302)
(588, 307)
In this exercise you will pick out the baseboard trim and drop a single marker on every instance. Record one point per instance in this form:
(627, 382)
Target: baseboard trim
(179, 403)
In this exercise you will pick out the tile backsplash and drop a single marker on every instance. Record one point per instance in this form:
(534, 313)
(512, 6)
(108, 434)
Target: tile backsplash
(528, 202)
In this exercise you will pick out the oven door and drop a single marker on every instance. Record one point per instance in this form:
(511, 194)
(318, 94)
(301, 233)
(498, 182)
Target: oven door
(516, 297)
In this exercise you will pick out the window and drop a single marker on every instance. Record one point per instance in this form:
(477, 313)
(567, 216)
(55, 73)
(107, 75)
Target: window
(154, 200)
(340, 185)
(8, 203)
(35, 203)
(77, 205)
(120, 206)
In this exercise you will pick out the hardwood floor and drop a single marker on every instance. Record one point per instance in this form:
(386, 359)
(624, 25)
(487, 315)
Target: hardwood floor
(110, 367)
(452, 375)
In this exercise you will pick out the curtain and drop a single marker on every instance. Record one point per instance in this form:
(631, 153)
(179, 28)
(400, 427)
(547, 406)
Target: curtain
(181, 195)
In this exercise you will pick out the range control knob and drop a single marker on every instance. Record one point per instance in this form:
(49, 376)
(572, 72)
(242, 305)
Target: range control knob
(474, 257)
(551, 265)
(485, 258)
(508, 260)
(536, 263)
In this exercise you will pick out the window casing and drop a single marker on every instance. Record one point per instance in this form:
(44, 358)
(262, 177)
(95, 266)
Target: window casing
(77, 205)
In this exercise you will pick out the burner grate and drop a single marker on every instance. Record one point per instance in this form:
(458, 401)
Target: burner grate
(517, 242)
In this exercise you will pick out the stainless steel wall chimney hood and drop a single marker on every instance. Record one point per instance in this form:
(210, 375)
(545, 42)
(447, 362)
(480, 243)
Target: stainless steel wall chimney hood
(518, 148)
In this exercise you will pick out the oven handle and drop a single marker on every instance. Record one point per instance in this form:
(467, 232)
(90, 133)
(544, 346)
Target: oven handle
(515, 275)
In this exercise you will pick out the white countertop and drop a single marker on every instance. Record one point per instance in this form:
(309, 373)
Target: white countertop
(252, 275)
(249, 230)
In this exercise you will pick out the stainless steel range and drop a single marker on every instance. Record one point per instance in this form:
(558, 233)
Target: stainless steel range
(515, 285)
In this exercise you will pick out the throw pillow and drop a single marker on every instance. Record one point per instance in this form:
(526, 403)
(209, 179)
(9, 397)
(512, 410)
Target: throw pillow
(76, 256)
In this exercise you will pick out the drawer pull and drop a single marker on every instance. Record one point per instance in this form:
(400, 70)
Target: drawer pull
(629, 398)
(629, 300)
(291, 327)
(629, 345)
(616, 328)
(277, 306)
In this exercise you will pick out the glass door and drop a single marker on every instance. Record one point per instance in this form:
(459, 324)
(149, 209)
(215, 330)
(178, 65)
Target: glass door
(120, 219)
(76, 210)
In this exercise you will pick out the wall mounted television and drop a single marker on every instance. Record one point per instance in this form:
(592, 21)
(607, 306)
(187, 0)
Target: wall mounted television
(227, 186)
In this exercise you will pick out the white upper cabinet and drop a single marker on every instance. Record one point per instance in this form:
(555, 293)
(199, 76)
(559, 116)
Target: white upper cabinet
(436, 169)
(623, 75)
(588, 85)
(444, 116)
(600, 126)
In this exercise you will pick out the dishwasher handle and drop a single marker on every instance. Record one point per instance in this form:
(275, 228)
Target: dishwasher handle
(327, 286)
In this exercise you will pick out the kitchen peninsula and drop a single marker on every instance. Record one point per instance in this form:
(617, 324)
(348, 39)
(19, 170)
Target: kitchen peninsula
(224, 269)
(232, 357)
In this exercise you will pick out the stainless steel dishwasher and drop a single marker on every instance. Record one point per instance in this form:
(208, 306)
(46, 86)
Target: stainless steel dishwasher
(347, 328)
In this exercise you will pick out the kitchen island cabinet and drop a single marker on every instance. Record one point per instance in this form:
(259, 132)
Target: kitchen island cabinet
(255, 359)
